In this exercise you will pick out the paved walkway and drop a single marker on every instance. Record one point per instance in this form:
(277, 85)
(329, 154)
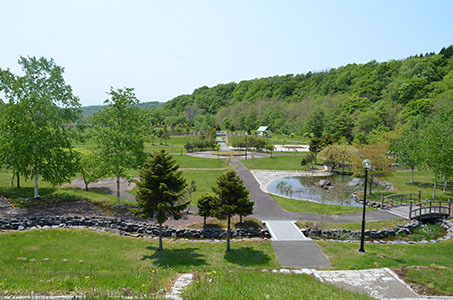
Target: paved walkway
(284, 231)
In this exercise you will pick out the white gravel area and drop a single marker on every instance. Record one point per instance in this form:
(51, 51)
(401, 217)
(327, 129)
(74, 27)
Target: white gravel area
(265, 177)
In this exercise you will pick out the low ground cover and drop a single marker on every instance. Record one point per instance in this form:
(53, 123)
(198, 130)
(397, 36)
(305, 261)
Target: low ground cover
(423, 181)
(259, 285)
(314, 207)
(50, 194)
(277, 162)
(82, 261)
(435, 256)
(370, 225)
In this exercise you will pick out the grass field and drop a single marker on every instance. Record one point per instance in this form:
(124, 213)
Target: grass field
(435, 257)
(423, 181)
(204, 181)
(314, 207)
(51, 194)
(260, 285)
(280, 162)
(56, 262)
(370, 225)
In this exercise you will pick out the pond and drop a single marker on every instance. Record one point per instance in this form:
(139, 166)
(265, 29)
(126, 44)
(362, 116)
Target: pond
(308, 188)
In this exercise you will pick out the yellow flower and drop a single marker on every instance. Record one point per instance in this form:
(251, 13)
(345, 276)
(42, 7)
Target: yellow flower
(153, 271)
(208, 273)
(214, 272)
(143, 285)
(87, 277)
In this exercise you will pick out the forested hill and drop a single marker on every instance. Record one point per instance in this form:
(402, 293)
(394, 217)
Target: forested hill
(90, 110)
(355, 97)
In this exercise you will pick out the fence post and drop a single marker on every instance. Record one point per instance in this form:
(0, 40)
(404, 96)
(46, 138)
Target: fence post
(430, 207)
(449, 206)
(382, 200)
(419, 196)
(410, 210)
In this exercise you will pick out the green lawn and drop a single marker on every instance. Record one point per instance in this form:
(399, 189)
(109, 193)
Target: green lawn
(436, 256)
(423, 181)
(314, 207)
(246, 284)
(277, 162)
(51, 194)
(99, 264)
(204, 181)
(370, 225)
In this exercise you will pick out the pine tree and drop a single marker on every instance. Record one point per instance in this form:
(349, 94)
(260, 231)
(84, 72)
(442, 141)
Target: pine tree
(231, 197)
(161, 190)
(205, 206)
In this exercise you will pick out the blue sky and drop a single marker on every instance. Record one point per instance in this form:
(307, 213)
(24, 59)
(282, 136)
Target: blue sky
(167, 48)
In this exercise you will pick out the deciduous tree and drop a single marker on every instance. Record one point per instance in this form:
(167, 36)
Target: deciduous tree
(119, 135)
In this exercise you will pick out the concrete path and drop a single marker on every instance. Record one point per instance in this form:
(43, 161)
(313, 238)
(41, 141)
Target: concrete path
(377, 283)
(300, 254)
(284, 231)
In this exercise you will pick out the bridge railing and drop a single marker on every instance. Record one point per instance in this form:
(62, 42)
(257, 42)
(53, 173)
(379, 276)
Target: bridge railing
(399, 199)
(430, 209)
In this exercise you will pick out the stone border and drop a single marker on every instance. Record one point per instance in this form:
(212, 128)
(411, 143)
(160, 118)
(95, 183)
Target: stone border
(373, 234)
(125, 227)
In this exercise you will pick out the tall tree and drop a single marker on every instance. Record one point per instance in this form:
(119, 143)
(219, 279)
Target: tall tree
(336, 154)
(315, 123)
(380, 160)
(39, 107)
(407, 147)
(161, 190)
(231, 195)
(437, 145)
(119, 135)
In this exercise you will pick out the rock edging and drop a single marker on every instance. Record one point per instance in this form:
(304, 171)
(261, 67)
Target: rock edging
(126, 226)
(344, 235)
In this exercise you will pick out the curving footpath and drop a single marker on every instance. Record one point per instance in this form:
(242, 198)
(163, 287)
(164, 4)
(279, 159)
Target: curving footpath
(292, 248)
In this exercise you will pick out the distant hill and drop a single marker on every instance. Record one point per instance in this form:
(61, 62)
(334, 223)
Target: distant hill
(92, 109)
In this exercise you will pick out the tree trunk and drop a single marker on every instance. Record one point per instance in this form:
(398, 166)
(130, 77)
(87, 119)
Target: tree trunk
(435, 185)
(161, 248)
(445, 184)
(18, 180)
(228, 233)
(412, 175)
(12, 180)
(370, 184)
(204, 221)
(36, 183)
(84, 180)
(240, 218)
(117, 187)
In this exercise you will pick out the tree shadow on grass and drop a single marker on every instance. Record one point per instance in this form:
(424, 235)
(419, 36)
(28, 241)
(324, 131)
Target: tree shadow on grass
(175, 257)
(247, 256)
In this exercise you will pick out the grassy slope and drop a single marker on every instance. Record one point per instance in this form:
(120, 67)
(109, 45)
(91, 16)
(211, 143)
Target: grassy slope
(370, 225)
(423, 181)
(264, 285)
(314, 207)
(112, 262)
(436, 256)
(81, 261)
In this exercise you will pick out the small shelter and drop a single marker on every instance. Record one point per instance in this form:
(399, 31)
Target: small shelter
(262, 131)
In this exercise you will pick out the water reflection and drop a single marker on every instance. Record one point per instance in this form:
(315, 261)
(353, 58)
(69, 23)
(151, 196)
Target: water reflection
(308, 188)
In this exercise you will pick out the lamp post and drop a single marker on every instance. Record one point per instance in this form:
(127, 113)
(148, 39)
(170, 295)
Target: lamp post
(366, 165)
(246, 135)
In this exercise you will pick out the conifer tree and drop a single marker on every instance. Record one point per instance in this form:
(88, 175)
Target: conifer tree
(205, 206)
(231, 197)
(161, 190)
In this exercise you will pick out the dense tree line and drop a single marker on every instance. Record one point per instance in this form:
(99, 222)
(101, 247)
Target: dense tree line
(351, 101)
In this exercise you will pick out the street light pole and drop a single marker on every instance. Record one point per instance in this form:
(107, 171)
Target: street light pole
(246, 135)
(366, 165)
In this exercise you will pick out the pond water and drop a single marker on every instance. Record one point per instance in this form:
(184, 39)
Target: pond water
(308, 188)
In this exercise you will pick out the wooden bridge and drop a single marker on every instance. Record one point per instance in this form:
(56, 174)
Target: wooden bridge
(417, 209)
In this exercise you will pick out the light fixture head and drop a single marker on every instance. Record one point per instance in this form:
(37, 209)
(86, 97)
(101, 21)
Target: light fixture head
(366, 163)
